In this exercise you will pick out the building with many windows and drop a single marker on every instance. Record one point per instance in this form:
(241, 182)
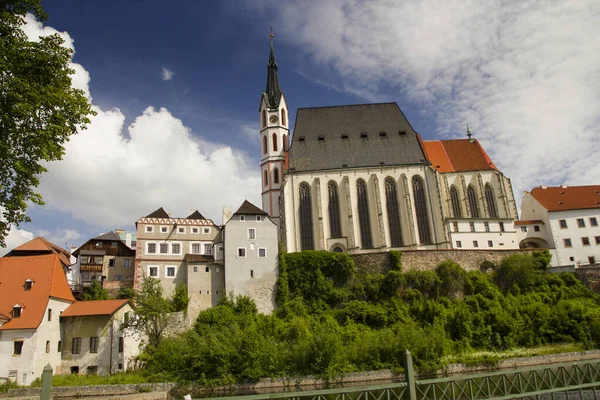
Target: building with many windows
(565, 219)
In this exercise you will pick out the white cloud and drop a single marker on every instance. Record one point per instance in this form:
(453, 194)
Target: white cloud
(15, 238)
(108, 180)
(166, 75)
(524, 75)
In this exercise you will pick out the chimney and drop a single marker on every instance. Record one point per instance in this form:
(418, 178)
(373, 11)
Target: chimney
(227, 214)
(563, 186)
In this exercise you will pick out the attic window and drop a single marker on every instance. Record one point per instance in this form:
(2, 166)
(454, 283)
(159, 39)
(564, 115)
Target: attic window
(401, 133)
(301, 139)
(345, 165)
(28, 284)
(321, 137)
(363, 135)
(382, 133)
(344, 136)
(16, 311)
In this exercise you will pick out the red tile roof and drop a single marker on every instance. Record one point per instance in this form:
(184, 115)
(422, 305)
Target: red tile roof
(95, 307)
(41, 246)
(561, 198)
(529, 222)
(48, 279)
(457, 155)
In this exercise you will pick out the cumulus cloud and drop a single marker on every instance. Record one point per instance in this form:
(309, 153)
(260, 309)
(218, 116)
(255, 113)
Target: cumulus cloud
(166, 75)
(108, 180)
(15, 238)
(524, 75)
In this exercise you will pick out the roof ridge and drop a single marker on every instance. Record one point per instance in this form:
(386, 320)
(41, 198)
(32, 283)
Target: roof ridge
(348, 105)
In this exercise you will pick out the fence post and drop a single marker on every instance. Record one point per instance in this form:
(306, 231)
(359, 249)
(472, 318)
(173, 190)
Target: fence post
(46, 383)
(409, 374)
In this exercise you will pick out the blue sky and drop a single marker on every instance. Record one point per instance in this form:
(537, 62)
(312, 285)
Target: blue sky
(529, 91)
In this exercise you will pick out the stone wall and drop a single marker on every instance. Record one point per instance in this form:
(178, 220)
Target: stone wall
(590, 276)
(143, 390)
(113, 287)
(429, 259)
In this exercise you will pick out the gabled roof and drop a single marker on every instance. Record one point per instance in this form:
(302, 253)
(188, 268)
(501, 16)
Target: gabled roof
(361, 135)
(94, 307)
(108, 236)
(195, 215)
(248, 208)
(459, 155)
(48, 279)
(563, 198)
(39, 246)
(160, 213)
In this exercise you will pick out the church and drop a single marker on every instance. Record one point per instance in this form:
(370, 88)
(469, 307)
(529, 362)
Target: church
(359, 178)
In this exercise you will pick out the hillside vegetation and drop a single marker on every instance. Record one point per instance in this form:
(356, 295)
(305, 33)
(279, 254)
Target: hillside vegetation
(333, 318)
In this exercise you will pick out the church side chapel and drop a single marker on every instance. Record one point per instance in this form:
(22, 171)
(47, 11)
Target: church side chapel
(359, 178)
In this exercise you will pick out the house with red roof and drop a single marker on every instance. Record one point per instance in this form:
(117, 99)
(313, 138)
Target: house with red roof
(33, 293)
(564, 219)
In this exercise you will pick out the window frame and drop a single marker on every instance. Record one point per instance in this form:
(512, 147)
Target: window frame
(181, 229)
(239, 255)
(76, 345)
(562, 223)
(18, 347)
(475, 244)
(459, 244)
(176, 244)
(164, 229)
(206, 230)
(585, 239)
(567, 243)
(593, 221)
(580, 223)
(265, 252)
(149, 270)
(251, 233)
(162, 245)
(148, 244)
(169, 268)
(196, 229)
(94, 344)
(149, 229)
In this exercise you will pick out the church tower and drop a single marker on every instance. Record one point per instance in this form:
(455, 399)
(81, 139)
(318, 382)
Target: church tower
(274, 133)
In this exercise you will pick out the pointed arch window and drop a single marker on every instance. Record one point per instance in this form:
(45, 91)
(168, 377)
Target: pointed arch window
(265, 178)
(456, 211)
(306, 225)
(274, 138)
(335, 225)
(283, 117)
(264, 118)
(473, 206)
(363, 214)
(275, 175)
(265, 144)
(491, 201)
(393, 211)
(421, 210)
(285, 143)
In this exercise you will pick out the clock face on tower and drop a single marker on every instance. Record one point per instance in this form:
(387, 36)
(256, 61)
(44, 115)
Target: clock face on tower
(273, 119)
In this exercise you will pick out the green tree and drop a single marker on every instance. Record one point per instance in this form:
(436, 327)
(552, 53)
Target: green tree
(152, 313)
(39, 109)
(180, 299)
(95, 292)
(126, 293)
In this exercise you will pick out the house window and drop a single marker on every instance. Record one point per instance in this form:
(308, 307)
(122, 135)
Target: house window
(151, 248)
(59, 348)
(98, 244)
(265, 178)
(265, 144)
(47, 346)
(83, 260)
(597, 239)
(473, 206)
(593, 221)
(181, 229)
(206, 269)
(49, 314)
(274, 139)
(220, 249)
(175, 248)
(472, 226)
(170, 272)
(98, 260)
(475, 244)
(121, 346)
(283, 118)
(195, 248)
(335, 226)
(120, 366)
(207, 248)
(16, 311)
(455, 202)
(363, 214)
(206, 231)
(571, 258)
(127, 263)
(251, 273)
(164, 229)
(153, 272)
(114, 245)
(563, 223)
(455, 226)
(567, 242)
(585, 241)
(580, 223)
(195, 230)
(75, 370)
(251, 233)
(242, 217)
(111, 262)
(28, 284)
(536, 228)
(491, 201)
(391, 197)
(421, 209)
(258, 219)
(217, 268)
(487, 226)
(149, 229)
(17, 347)
(93, 345)
(501, 224)
(262, 252)
(306, 224)
(76, 345)
(92, 370)
(264, 119)
(592, 260)
(523, 229)
(241, 252)
(458, 244)
(164, 248)
(490, 243)
(275, 175)
(195, 269)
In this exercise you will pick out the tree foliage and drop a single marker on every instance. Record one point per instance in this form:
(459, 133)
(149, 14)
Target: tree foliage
(180, 299)
(95, 292)
(39, 109)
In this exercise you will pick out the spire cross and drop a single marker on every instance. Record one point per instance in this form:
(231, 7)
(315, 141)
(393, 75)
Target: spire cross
(469, 134)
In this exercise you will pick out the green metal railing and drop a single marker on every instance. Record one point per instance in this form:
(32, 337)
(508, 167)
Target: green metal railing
(577, 380)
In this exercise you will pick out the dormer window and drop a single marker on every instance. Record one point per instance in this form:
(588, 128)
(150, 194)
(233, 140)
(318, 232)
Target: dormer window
(16, 311)
(28, 284)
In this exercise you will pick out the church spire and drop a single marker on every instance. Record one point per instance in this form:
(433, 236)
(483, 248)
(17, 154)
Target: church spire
(273, 90)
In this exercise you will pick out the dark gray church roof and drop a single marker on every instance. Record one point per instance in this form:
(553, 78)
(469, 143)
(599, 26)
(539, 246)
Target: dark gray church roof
(361, 135)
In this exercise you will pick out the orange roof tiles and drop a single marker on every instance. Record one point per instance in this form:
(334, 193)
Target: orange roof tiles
(561, 198)
(457, 155)
(48, 279)
(95, 307)
(39, 244)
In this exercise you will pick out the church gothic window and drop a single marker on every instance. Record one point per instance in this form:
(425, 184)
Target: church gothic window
(274, 142)
(335, 226)
(473, 206)
(306, 225)
(285, 143)
(491, 201)
(363, 214)
(283, 117)
(421, 210)
(265, 144)
(265, 178)
(275, 175)
(456, 211)
(264, 118)
(391, 198)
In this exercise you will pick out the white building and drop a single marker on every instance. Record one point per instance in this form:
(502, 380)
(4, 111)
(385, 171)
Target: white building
(33, 293)
(565, 219)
